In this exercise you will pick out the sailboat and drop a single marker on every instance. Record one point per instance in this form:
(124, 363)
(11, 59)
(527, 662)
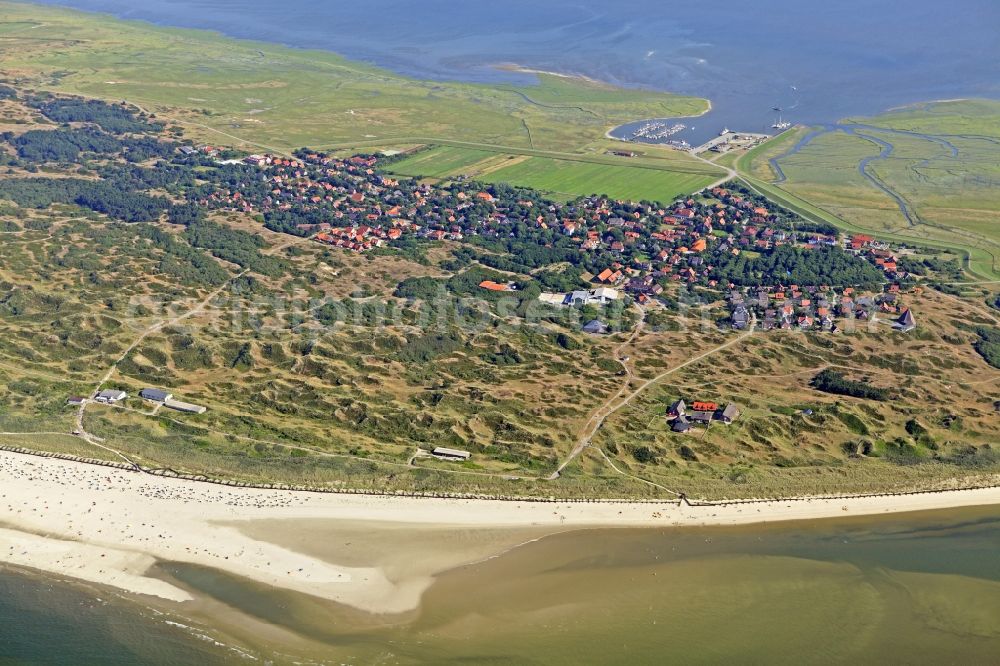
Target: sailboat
(780, 124)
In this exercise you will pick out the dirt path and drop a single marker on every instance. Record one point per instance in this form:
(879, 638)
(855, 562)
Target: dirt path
(610, 407)
(584, 441)
(612, 465)
(972, 305)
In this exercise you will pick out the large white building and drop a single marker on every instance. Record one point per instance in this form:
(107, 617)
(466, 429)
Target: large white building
(599, 296)
(110, 396)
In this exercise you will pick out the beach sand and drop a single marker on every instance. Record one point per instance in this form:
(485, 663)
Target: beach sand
(377, 554)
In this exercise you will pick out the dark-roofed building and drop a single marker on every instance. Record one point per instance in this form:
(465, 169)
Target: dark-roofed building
(906, 321)
(595, 327)
(702, 417)
(681, 424)
(155, 394)
(740, 317)
(678, 408)
(730, 413)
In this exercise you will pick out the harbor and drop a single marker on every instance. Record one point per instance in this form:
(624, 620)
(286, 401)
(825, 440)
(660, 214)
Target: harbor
(676, 134)
(729, 140)
(658, 131)
(702, 134)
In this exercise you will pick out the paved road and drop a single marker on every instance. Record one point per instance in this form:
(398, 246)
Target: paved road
(730, 172)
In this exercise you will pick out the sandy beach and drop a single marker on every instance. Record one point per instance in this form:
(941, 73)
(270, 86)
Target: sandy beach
(110, 526)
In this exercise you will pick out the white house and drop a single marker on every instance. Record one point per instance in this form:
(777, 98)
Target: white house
(110, 396)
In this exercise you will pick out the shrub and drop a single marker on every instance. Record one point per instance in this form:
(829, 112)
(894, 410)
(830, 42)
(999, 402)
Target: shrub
(644, 454)
(687, 453)
(988, 345)
(830, 381)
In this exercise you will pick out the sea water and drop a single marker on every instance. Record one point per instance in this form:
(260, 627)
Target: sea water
(909, 588)
(815, 61)
(44, 621)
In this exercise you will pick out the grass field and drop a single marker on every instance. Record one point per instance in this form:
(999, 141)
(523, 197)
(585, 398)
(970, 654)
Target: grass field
(943, 163)
(440, 162)
(562, 178)
(260, 96)
(567, 179)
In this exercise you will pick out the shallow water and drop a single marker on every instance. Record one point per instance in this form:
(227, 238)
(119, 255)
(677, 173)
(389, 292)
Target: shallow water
(917, 588)
(45, 622)
(819, 62)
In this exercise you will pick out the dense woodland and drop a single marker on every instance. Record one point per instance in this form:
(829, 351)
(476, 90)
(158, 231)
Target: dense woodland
(114, 118)
(824, 265)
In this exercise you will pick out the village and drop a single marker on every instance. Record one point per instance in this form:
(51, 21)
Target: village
(765, 262)
(820, 307)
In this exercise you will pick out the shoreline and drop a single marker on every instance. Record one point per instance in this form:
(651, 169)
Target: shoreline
(910, 105)
(521, 69)
(608, 135)
(109, 526)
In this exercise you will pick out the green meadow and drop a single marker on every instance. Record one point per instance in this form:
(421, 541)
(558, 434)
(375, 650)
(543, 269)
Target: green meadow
(563, 178)
(265, 97)
(567, 179)
(944, 164)
(440, 162)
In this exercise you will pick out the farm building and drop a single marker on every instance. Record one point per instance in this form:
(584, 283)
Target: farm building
(110, 396)
(701, 417)
(677, 409)
(450, 454)
(730, 413)
(595, 327)
(184, 406)
(155, 394)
